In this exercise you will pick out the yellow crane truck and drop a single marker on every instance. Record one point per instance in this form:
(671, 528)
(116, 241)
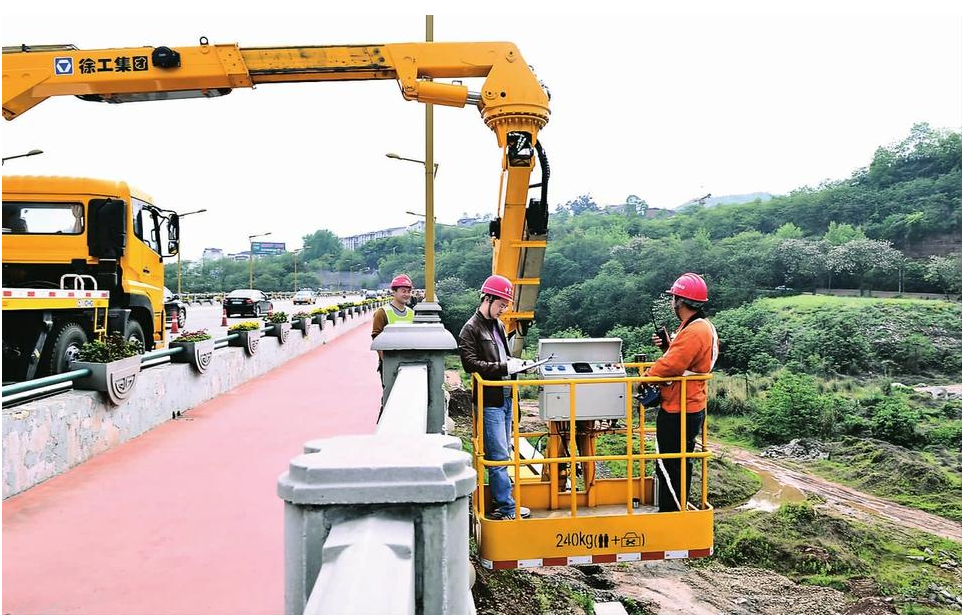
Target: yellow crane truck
(81, 257)
(608, 519)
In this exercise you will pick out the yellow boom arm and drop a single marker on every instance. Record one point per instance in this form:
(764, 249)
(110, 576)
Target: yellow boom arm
(512, 103)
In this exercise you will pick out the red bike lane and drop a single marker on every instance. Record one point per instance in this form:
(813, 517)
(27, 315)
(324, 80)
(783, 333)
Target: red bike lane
(185, 518)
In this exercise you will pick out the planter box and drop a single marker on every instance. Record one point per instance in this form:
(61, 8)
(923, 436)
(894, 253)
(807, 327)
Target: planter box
(250, 340)
(332, 317)
(342, 314)
(116, 378)
(280, 331)
(304, 325)
(197, 354)
(319, 319)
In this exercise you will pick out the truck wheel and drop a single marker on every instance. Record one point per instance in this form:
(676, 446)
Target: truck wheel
(134, 331)
(66, 348)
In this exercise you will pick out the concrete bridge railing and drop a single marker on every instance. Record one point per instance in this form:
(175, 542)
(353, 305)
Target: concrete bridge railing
(378, 524)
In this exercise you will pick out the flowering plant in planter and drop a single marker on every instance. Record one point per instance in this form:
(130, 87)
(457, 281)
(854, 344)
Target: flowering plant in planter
(114, 364)
(302, 321)
(277, 317)
(244, 326)
(248, 335)
(198, 349)
(282, 327)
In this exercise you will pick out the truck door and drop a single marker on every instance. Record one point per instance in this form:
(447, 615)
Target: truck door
(147, 277)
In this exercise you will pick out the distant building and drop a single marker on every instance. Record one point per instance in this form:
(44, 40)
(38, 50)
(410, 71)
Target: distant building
(212, 254)
(354, 242)
(467, 221)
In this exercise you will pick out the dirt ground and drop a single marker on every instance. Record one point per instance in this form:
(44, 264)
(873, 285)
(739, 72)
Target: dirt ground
(677, 587)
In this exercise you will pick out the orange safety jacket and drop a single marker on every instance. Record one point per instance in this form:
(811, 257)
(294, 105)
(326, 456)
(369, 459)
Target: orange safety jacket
(692, 350)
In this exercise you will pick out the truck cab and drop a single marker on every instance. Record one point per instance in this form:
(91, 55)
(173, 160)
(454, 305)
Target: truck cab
(106, 232)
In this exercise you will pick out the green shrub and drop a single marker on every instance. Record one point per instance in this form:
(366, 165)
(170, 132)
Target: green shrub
(195, 336)
(948, 434)
(791, 409)
(114, 348)
(895, 421)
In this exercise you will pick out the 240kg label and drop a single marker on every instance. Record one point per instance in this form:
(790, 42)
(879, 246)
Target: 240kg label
(590, 541)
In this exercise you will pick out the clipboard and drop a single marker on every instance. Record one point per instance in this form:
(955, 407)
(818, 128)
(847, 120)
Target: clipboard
(539, 363)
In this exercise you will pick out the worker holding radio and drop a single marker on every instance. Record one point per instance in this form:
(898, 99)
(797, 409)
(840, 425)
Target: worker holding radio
(692, 350)
(484, 349)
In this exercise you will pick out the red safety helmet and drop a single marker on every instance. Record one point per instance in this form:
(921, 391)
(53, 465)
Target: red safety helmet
(691, 287)
(401, 280)
(499, 286)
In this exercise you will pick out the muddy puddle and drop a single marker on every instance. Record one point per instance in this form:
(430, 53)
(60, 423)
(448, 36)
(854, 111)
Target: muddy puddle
(772, 494)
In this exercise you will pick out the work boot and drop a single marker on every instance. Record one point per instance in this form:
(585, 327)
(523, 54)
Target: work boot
(509, 514)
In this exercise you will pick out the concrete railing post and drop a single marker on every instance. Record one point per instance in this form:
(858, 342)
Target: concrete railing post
(423, 478)
(417, 343)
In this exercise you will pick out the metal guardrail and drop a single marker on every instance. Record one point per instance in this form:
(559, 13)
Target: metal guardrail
(15, 392)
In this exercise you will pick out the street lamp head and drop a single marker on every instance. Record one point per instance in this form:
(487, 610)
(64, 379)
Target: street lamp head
(34, 152)
(392, 155)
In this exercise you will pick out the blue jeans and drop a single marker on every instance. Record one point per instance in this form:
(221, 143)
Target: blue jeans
(497, 447)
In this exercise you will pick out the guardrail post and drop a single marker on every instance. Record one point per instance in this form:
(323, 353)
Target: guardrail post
(427, 312)
(424, 478)
(417, 343)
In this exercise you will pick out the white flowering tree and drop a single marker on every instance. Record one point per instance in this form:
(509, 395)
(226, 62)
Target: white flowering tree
(859, 257)
(801, 260)
(945, 271)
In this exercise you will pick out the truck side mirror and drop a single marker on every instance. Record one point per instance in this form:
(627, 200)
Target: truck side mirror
(107, 230)
(173, 234)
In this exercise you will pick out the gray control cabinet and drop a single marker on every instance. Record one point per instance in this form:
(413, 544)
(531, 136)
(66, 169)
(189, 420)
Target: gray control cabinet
(582, 358)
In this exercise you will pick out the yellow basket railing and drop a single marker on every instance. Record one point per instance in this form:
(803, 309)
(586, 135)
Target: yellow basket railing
(630, 432)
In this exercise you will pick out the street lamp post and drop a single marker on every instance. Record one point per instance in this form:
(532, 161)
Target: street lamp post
(30, 153)
(429, 219)
(251, 255)
(294, 254)
(178, 249)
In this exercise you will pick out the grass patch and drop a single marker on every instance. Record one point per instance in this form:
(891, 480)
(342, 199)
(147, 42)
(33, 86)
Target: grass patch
(729, 484)
(812, 547)
(732, 429)
(930, 480)
(515, 591)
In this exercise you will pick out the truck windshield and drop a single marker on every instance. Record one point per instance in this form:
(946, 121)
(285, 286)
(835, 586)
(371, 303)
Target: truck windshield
(31, 218)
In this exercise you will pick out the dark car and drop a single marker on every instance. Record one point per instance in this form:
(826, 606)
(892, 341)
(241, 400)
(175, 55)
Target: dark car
(247, 302)
(174, 309)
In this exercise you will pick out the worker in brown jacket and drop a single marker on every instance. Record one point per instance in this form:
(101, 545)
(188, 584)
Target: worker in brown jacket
(692, 350)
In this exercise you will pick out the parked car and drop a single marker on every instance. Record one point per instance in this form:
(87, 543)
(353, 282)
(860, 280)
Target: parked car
(305, 296)
(174, 308)
(247, 302)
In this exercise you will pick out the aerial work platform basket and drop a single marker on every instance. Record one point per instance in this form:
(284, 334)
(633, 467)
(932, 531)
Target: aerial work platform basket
(580, 518)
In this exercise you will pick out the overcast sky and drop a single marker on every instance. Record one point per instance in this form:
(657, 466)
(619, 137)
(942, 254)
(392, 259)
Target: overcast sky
(665, 107)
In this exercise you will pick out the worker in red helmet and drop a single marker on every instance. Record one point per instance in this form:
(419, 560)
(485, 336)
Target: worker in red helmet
(484, 349)
(397, 311)
(693, 349)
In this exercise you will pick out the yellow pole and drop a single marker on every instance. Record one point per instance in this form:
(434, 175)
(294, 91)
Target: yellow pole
(429, 184)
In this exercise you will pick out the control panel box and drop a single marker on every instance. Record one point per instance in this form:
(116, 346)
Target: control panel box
(582, 358)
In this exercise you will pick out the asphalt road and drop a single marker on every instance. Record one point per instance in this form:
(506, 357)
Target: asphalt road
(204, 316)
